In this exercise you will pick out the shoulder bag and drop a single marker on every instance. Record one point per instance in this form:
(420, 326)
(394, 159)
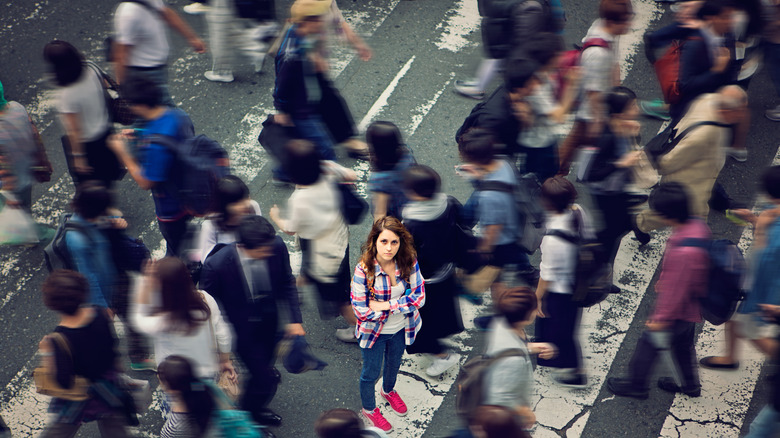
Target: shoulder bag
(46, 380)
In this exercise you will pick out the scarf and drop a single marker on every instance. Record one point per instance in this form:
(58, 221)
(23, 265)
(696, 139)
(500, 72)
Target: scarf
(426, 210)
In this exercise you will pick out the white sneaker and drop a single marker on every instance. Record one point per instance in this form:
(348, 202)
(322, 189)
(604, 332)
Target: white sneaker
(469, 89)
(346, 334)
(196, 8)
(442, 364)
(218, 77)
(773, 114)
(737, 154)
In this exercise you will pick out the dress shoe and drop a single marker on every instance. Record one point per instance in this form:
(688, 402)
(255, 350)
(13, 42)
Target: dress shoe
(625, 388)
(640, 235)
(668, 384)
(267, 417)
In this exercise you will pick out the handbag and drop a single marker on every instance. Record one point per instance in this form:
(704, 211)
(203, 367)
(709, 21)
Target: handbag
(273, 138)
(46, 380)
(118, 107)
(16, 225)
(353, 206)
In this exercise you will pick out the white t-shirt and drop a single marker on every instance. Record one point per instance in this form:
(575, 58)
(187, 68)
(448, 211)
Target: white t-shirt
(395, 321)
(211, 235)
(559, 256)
(85, 98)
(597, 65)
(137, 26)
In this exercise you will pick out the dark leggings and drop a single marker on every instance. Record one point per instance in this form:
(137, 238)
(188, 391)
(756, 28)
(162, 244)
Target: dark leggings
(560, 329)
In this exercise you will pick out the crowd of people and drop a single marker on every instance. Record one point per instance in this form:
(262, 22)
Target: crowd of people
(229, 294)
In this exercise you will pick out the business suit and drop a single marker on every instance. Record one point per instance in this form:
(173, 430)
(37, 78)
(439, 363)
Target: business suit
(254, 316)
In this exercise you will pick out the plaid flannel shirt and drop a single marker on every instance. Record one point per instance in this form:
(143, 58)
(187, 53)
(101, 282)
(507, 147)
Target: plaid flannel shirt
(370, 323)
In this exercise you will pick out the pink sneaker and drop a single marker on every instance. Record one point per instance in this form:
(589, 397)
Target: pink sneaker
(395, 401)
(377, 420)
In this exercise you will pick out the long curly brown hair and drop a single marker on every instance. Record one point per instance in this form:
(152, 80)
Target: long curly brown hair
(406, 255)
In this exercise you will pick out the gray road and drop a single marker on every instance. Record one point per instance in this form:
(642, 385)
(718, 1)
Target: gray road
(421, 47)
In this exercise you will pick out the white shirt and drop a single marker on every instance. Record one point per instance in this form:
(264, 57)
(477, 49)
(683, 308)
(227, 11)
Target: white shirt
(137, 26)
(559, 256)
(199, 346)
(86, 100)
(211, 235)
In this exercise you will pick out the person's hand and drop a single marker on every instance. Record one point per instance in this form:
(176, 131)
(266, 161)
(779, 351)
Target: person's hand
(118, 223)
(770, 311)
(628, 160)
(523, 112)
(118, 142)
(227, 367)
(283, 119)
(273, 213)
(198, 45)
(467, 169)
(379, 306)
(45, 345)
(545, 350)
(80, 165)
(527, 416)
(721, 60)
(295, 330)
(573, 76)
(363, 51)
(656, 326)
(540, 307)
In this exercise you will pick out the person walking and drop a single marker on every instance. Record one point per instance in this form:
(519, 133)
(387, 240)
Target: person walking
(387, 293)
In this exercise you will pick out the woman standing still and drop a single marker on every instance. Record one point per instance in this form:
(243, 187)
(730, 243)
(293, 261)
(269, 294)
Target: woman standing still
(82, 108)
(387, 292)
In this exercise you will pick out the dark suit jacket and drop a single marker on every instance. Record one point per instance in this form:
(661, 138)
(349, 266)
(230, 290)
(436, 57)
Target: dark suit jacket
(223, 278)
(696, 78)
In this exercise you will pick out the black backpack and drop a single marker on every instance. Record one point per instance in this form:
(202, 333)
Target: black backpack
(667, 139)
(471, 380)
(56, 254)
(505, 24)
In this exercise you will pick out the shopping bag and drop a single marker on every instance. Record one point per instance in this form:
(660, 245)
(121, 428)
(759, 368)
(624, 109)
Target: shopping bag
(16, 225)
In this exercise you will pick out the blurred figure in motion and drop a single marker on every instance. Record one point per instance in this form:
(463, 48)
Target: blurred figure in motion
(249, 279)
(490, 421)
(314, 215)
(672, 326)
(767, 422)
(390, 157)
(433, 220)
(344, 423)
(86, 348)
(193, 401)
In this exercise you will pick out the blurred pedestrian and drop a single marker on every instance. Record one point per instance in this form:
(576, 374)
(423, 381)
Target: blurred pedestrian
(140, 44)
(767, 422)
(390, 157)
(387, 293)
(671, 329)
(86, 348)
(81, 104)
(193, 401)
(249, 279)
(433, 220)
(233, 203)
(314, 214)
(558, 315)
(771, 42)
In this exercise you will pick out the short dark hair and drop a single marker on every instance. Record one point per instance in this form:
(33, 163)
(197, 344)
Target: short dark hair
(518, 71)
(64, 291)
(230, 189)
(338, 423)
(559, 193)
(303, 162)
(618, 11)
(66, 60)
(139, 90)
(92, 199)
(497, 422)
(711, 8)
(255, 231)
(770, 181)
(543, 47)
(618, 99)
(516, 304)
(477, 146)
(422, 181)
(671, 201)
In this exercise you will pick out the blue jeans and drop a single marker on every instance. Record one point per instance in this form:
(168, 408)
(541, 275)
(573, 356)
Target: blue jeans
(313, 129)
(766, 424)
(391, 349)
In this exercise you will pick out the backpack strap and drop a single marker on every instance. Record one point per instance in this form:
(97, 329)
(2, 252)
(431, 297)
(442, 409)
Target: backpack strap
(575, 240)
(495, 186)
(511, 352)
(695, 242)
(145, 5)
(677, 137)
(595, 42)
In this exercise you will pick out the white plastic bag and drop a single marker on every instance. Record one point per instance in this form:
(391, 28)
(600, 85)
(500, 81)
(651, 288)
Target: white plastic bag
(16, 225)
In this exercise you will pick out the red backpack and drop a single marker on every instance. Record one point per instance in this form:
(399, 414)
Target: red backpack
(667, 70)
(569, 60)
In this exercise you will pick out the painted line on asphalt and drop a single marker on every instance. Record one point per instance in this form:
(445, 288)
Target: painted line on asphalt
(381, 101)
(725, 395)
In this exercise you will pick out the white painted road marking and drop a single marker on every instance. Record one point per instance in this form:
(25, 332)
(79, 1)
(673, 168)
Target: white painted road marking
(381, 102)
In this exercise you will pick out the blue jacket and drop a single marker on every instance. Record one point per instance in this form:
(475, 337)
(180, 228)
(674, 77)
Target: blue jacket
(292, 68)
(91, 253)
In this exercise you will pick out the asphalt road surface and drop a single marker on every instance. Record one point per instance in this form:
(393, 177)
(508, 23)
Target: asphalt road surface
(420, 48)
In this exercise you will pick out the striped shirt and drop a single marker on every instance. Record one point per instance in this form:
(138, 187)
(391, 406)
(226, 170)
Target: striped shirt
(370, 323)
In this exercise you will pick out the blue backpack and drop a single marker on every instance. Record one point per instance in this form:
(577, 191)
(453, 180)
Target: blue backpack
(724, 288)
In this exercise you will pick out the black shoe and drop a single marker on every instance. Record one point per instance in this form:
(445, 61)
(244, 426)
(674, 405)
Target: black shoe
(636, 199)
(624, 388)
(668, 384)
(267, 434)
(267, 417)
(640, 235)
(577, 381)
(483, 322)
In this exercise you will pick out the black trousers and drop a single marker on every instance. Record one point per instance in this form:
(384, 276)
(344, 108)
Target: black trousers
(617, 221)
(256, 351)
(173, 232)
(682, 351)
(560, 329)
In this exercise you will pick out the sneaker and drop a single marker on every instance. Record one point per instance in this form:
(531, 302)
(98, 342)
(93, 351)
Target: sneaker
(773, 114)
(469, 89)
(276, 182)
(577, 380)
(395, 402)
(624, 388)
(668, 384)
(346, 334)
(143, 365)
(196, 8)
(737, 154)
(640, 235)
(442, 364)
(218, 77)
(376, 419)
(655, 108)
